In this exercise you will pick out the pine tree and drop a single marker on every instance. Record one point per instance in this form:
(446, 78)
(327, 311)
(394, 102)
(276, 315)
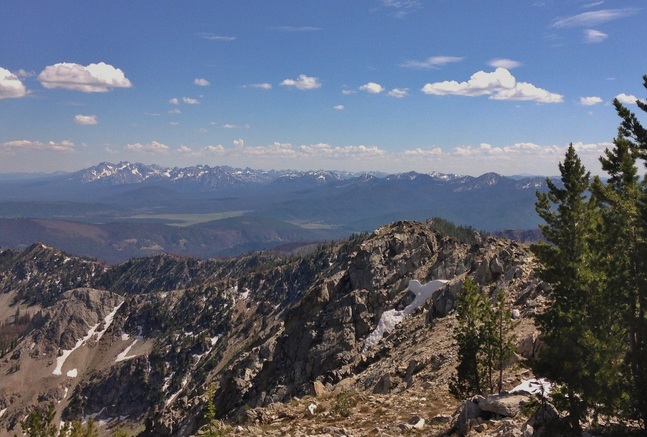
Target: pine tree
(619, 258)
(471, 307)
(568, 264)
(626, 199)
(503, 336)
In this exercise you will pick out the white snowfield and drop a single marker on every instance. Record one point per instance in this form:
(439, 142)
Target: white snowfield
(391, 318)
(60, 360)
(124, 354)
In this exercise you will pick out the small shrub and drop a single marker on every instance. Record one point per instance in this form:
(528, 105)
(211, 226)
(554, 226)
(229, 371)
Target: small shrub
(343, 404)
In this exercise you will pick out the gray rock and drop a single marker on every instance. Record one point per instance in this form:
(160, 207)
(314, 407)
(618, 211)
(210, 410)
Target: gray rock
(384, 385)
(506, 405)
(467, 413)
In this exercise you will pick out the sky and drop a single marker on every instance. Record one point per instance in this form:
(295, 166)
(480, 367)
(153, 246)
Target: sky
(450, 86)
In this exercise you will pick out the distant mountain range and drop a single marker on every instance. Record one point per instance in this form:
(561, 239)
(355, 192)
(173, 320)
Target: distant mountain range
(210, 211)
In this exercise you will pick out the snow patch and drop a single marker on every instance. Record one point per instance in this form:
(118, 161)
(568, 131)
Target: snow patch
(534, 386)
(4, 410)
(123, 356)
(390, 319)
(60, 360)
(72, 373)
(170, 400)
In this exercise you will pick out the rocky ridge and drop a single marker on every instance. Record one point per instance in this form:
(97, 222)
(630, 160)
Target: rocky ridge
(143, 341)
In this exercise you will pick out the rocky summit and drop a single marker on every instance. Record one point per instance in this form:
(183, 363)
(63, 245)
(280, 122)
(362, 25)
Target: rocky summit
(274, 344)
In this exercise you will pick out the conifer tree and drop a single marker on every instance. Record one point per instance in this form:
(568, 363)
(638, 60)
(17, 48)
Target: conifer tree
(619, 259)
(568, 264)
(471, 308)
(504, 339)
(626, 199)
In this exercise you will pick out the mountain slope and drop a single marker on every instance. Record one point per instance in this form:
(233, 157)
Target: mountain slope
(140, 343)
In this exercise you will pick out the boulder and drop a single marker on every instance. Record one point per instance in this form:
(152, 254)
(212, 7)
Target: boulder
(467, 415)
(318, 389)
(507, 405)
(383, 386)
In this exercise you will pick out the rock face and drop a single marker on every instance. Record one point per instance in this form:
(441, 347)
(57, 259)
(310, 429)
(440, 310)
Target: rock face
(259, 330)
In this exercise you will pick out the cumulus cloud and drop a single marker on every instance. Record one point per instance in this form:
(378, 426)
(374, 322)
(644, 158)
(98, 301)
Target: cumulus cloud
(590, 101)
(190, 101)
(11, 86)
(303, 82)
(174, 101)
(85, 119)
(594, 36)
(593, 18)
(17, 146)
(423, 153)
(348, 92)
(264, 86)
(627, 99)
(372, 88)
(339, 107)
(201, 82)
(432, 62)
(215, 150)
(152, 147)
(399, 93)
(508, 64)
(499, 85)
(93, 78)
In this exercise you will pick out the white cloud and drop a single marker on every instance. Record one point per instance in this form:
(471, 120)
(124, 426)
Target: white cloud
(213, 37)
(174, 101)
(399, 93)
(372, 88)
(508, 64)
(593, 18)
(432, 62)
(264, 86)
(23, 74)
(10, 85)
(303, 82)
(201, 82)
(93, 78)
(348, 92)
(12, 147)
(423, 153)
(590, 101)
(592, 5)
(499, 85)
(527, 91)
(217, 150)
(175, 111)
(174, 123)
(627, 99)
(85, 119)
(152, 147)
(190, 101)
(339, 107)
(594, 36)
(402, 7)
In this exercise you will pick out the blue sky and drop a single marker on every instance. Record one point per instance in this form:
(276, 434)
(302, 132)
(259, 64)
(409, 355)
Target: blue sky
(464, 86)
